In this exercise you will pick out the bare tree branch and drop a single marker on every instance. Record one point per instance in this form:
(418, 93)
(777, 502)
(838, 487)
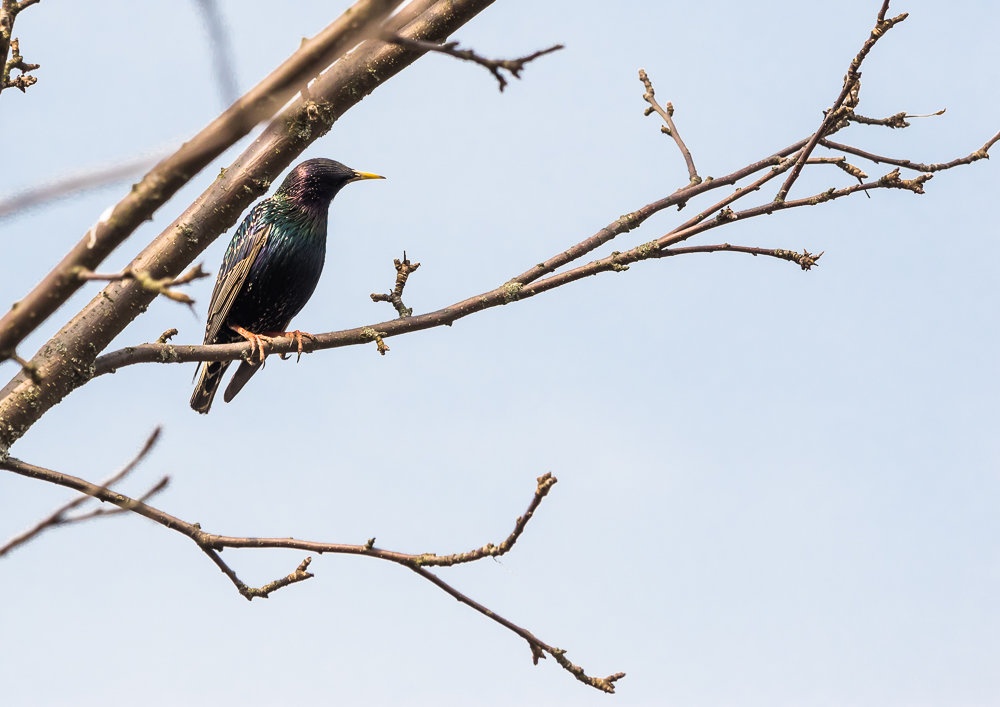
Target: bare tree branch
(222, 51)
(66, 362)
(211, 543)
(494, 66)
(839, 162)
(846, 101)
(85, 180)
(507, 293)
(403, 270)
(9, 45)
(981, 154)
(59, 516)
(16, 61)
(167, 177)
(667, 114)
(161, 286)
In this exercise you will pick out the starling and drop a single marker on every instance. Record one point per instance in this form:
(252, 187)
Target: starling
(270, 269)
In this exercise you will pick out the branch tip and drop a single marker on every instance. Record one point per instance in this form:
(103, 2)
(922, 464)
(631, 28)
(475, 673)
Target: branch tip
(494, 66)
(668, 128)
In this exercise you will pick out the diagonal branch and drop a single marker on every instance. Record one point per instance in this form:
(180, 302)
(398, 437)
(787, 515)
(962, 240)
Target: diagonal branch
(846, 101)
(172, 173)
(210, 544)
(161, 286)
(504, 294)
(667, 114)
(84, 180)
(59, 517)
(514, 290)
(64, 363)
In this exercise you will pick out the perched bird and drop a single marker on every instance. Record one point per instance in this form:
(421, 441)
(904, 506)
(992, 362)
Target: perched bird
(270, 269)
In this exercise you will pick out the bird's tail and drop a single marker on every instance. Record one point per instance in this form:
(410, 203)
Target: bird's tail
(239, 379)
(208, 384)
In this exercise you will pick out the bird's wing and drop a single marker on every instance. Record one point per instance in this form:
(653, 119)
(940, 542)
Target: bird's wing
(242, 251)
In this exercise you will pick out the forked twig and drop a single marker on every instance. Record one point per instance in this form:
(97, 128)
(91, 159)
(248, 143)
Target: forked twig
(59, 516)
(403, 269)
(494, 66)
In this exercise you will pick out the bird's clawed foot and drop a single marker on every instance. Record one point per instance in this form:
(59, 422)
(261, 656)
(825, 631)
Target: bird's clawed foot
(297, 335)
(256, 342)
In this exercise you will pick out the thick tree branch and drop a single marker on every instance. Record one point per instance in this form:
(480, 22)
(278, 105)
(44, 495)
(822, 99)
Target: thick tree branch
(65, 363)
(167, 177)
(211, 543)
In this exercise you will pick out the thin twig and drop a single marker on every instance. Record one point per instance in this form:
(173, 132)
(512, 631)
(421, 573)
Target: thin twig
(250, 593)
(163, 286)
(30, 369)
(839, 162)
(538, 647)
(403, 270)
(172, 173)
(805, 259)
(667, 114)
(981, 154)
(545, 483)
(58, 516)
(9, 10)
(16, 61)
(845, 102)
(100, 512)
(505, 294)
(222, 51)
(85, 180)
(494, 66)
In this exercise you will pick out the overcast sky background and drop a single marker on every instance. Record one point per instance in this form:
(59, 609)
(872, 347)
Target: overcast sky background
(775, 487)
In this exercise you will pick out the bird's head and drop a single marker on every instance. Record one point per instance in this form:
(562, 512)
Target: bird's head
(315, 182)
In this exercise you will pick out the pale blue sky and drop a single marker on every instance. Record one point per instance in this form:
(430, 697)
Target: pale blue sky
(775, 487)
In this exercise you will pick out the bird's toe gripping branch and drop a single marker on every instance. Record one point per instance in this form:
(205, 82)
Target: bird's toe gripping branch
(256, 341)
(297, 335)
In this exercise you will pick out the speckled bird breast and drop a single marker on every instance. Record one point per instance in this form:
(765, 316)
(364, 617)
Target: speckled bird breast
(280, 282)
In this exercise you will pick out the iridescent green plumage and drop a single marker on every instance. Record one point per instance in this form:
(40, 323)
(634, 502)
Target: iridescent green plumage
(271, 268)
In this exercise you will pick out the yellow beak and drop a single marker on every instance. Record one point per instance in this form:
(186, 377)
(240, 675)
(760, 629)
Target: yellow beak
(366, 175)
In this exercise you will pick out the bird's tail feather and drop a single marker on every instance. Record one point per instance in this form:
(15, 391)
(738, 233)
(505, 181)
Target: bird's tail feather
(208, 384)
(239, 379)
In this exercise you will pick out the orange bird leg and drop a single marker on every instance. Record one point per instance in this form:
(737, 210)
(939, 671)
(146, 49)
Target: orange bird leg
(297, 335)
(256, 341)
